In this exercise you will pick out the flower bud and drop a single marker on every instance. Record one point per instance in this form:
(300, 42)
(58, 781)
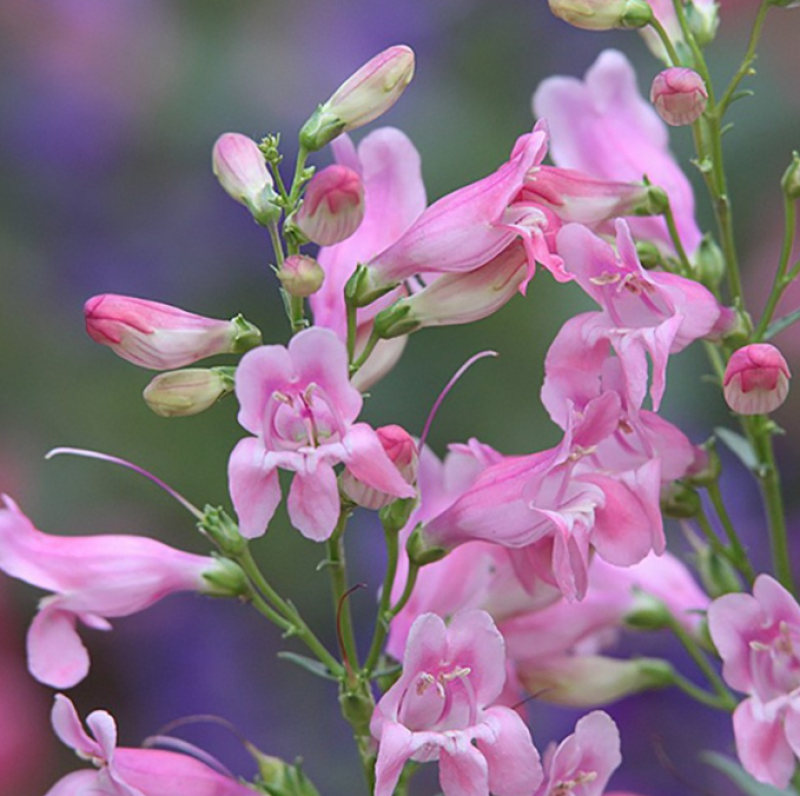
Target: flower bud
(710, 263)
(242, 171)
(592, 680)
(756, 379)
(301, 275)
(679, 501)
(333, 206)
(790, 182)
(161, 337)
(703, 19)
(364, 96)
(647, 612)
(225, 579)
(603, 14)
(402, 450)
(716, 573)
(679, 96)
(180, 393)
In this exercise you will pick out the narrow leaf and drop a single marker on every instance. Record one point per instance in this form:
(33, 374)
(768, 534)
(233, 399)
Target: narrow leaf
(740, 447)
(782, 323)
(309, 664)
(738, 775)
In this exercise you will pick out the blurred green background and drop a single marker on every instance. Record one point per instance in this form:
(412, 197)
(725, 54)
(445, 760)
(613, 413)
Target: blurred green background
(108, 112)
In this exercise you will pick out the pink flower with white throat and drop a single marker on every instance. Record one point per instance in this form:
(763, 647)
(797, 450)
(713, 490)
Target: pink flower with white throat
(442, 709)
(161, 337)
(124, 771)
(93, 578)
(758, 638)
(333, 205)
(756, 379)
(301, 407)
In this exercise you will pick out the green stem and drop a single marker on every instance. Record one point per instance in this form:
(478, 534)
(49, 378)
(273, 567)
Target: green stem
(297, 180)
(286, 617)
(783, 278)
(385, 615)
(665, 40)
(337, 565)
(716, 543)
(697, 693)
(669, 217)
(726, 699)
(411, 580)
(749, 57)
(352, 328)
(742, 561)
(373, 340)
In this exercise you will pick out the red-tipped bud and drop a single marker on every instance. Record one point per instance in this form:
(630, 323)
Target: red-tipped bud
(402, 450)
(364, 96)
(300, 275)
(242, 171)
(756, 380)
(679, 95)
(162, 337)
(333, 207)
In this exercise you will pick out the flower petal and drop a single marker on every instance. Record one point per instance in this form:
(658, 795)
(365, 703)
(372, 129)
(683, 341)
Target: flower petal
(254, 487)
(314, 502)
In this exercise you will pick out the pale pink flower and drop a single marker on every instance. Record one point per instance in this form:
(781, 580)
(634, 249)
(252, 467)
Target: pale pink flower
(124, 771)
(604, 127)
(584, 761)
(301, 407)
(756, 379)
(442, 709)
(679, 95)
(758, 638)
(644, 312)
(161, 337)
(93, 578)
(333, 205)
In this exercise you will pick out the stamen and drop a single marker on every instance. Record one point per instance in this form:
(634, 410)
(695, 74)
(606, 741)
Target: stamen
(105, 457)
(608, 278)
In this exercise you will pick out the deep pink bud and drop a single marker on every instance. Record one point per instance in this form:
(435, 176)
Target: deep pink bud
(679, 95)
(333, 207)
(402, 450)
(242, 171)
(756, 379)
(161, 337)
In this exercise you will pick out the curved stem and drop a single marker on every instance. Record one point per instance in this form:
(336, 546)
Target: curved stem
(385, 615)
(669, 217)
(338, 568)
(742, 560)
(665, 40)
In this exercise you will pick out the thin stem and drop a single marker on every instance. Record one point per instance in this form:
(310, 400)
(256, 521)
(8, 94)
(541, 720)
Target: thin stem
(298, 179)
(749, 57)
(716, 544)
(373, 340)
(411, 580)
(385, 615)
(742, 560)
(352, 329)
(669, 217)
(338, 568)
(665, 40)
(289, 618)
(699, 694)
(783, 278)
(726, 700)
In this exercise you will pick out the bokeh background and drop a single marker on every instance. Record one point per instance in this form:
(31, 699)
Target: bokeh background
(108, 112)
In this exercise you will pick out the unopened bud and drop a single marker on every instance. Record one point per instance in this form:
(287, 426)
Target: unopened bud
(710, 263)
(603, 14)
(396, 320)
(181, 393)
(279, 778)
(649, 254)
(161, 337)
(364, 96)
(679, 95)
(680, 502)
(756, 379)
(333, 206)
(647, 612)
(703, 19)
(706, 467)
(240, 167)
(717, 573)
(301, 275)
(791, 179)
(402, 450)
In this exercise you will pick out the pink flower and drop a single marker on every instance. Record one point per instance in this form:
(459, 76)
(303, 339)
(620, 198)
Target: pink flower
(93, 579)
(333, 205)
(644, 312)
(161, 337)
(605, 128)
(124, 771)
(679, 95)
(758, 638)
(301, 407)
(756, 379)
(584, 761)
(441, 709)
(465, 229)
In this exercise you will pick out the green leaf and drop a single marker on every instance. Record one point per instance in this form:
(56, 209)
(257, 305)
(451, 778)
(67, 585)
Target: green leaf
(309, 664)
(782, 323)
(738, 775)
(742, 449)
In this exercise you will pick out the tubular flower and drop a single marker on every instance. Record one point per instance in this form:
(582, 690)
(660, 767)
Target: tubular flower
(123, 771)
(301, 407)
(93, 578)
(442, 709)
